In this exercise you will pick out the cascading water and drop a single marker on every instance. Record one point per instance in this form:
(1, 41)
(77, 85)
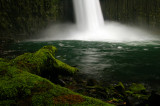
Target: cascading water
(90, 26)
(88, 14)
(89, 17)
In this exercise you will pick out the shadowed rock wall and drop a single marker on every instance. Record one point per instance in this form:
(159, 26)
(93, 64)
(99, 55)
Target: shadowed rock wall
(23, 18)
(139, 12)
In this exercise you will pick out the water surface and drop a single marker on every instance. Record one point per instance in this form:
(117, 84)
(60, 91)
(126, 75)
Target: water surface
(104, 61)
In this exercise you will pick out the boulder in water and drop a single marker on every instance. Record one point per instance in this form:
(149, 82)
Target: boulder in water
(43, 63)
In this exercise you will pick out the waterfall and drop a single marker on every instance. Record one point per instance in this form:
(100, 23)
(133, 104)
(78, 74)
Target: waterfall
(90, 26)
(88, 14)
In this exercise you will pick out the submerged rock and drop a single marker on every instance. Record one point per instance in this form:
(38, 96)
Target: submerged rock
(43, 63)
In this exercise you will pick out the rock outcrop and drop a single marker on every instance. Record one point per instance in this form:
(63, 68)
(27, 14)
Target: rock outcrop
(20, 84)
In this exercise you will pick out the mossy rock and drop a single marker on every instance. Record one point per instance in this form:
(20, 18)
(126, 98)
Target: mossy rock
(120, 88)
(19, 87)
(43, 63)
(138, 91)
(137, 88)
(1, 59)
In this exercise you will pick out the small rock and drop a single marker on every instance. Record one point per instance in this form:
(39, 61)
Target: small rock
(91, 82)
(154, 99)
(120, 88)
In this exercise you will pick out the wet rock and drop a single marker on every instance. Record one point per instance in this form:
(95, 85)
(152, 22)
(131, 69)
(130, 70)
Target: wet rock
(61, 82)
(120, 88)
(133, 101)
(138, 91)
(137, 88)
(91, 82)
(137, 95)
(97, 92)
(81, 90)
(6, 40)
(154, 99)
(44, 63)
(79, 80)
(117, 102)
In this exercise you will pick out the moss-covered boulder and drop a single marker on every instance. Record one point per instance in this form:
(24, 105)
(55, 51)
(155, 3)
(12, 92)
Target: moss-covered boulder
(43, 63)
(19, 87)
(138, 91)
(137, 88)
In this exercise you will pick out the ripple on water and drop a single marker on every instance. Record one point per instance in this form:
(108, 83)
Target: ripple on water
(134, 61)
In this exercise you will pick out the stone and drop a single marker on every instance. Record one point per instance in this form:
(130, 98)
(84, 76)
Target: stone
(19, 86)
(43, 63)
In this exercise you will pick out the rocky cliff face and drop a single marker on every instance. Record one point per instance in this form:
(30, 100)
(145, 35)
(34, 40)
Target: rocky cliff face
(22, 19)
(139, 12)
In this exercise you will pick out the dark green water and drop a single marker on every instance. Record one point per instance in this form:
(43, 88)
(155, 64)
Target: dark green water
(107, 62)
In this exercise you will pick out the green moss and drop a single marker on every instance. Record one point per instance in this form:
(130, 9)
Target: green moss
(43, 63)
(64, 68)
(16, 83)
(3, 67)
(137, 88)
(1, 60)
(19, 87)
(120, 88)
(137, 91)
(121, 85)
(141, 96)
(43, 99)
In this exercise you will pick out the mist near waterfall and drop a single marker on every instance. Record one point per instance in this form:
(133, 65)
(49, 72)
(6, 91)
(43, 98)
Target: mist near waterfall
(90, 26)
(110, 32)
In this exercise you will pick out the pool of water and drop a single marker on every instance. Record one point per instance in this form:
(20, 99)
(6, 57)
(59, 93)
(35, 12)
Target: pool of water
(104, 61)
